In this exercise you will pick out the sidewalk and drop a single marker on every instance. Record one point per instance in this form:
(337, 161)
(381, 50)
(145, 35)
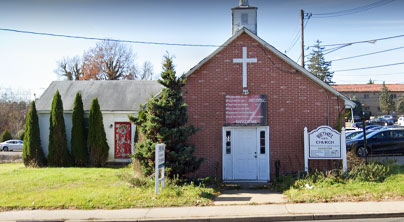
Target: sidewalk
(271, 212)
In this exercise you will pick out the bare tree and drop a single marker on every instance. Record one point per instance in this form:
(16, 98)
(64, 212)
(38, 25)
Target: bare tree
(13, 108)
(70, 68)
(109, 60)
(146, 73)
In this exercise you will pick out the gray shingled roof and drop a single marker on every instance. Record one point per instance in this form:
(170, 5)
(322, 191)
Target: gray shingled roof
(113, 95)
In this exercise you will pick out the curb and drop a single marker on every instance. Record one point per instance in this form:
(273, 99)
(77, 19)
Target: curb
(302, 217)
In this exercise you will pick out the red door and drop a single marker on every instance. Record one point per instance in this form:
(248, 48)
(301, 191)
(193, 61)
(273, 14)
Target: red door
(123, 140)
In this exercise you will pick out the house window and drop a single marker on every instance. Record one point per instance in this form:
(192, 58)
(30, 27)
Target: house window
(228, 142)
(366, 96)
(244, 19)
(262, 142)
(393, 96)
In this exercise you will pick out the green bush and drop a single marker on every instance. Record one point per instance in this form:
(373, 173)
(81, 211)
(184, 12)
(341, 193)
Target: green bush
(164, 120)
(32, 154)
(371, 172)
(6, 136)
(284, 182)
(58, 154)
(97, 139)
(78, 141)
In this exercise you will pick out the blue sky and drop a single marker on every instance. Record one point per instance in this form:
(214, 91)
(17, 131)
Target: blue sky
(28, 61)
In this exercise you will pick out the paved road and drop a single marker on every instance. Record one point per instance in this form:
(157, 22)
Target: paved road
(399, 159)
(399, 219)
(6, 157)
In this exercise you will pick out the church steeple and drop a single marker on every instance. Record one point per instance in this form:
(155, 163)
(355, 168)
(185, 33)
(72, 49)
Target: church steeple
(243, 3)
(244, 15)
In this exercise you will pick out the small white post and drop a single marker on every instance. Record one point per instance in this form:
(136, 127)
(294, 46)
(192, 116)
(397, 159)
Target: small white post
(159, 164)
(306, 150)
(156, 170)
(343, 150)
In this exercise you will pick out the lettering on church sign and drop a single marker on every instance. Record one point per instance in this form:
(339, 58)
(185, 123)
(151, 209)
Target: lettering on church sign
(246, 109)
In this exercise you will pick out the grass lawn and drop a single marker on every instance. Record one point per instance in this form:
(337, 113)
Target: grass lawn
(392, 188)
(89, 188)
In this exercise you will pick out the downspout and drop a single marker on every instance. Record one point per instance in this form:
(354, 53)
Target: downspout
(328, 107)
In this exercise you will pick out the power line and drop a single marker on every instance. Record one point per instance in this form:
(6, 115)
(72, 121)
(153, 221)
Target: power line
(353, 10)
(363, 41)
(372, 53)
(369, 67)
(374, 74)
(296, 38)
(294, 41)
(102, 39)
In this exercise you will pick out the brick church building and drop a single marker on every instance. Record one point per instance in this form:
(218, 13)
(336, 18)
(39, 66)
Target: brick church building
(251, 103)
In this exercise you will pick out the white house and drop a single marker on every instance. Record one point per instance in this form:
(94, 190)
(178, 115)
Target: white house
(117, 100)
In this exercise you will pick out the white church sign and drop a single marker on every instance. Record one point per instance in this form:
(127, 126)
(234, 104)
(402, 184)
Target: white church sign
(324, 143)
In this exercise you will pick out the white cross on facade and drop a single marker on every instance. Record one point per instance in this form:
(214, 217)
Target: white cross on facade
(244, 61)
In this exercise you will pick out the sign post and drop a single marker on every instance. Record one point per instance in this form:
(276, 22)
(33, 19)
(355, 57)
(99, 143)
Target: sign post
(324, 143)
(159, 165)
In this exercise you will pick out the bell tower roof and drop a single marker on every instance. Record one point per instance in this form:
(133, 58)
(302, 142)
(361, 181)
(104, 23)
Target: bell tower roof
(244, 16)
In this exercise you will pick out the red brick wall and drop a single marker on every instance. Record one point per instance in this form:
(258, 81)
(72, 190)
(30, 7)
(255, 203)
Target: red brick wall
(294, 101)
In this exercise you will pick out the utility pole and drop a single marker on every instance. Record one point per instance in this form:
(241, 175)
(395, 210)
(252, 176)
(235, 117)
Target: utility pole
(302, 35)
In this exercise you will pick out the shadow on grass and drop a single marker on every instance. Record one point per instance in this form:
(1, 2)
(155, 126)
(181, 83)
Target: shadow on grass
(207, 195)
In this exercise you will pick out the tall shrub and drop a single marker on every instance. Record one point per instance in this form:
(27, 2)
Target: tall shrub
(6, 136)
(97, 140)
(32, 154)
(58, 154)
(165, 120)
(78, 141)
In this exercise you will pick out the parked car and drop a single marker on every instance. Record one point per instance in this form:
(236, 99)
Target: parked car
(388, 141)
(357, 118)
(373, 127)
(360, 134)
(392, 127)
(357, 125)
(353, 133)
(392, 116)
(11, 145)
(381, 121)
(400, 121)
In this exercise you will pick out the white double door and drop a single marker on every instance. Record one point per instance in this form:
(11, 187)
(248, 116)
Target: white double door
(246, 153)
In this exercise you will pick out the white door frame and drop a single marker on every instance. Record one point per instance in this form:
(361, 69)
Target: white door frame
(263, 160)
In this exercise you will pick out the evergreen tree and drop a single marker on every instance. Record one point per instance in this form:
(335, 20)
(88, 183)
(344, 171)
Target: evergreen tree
(164, 120)
(318, 66)
(358, 110)
(58, 155)
(97, 140)
(400, 105)
(78, 141)
(32, 154)
(371, 81)
(386, 100)
(6, 136)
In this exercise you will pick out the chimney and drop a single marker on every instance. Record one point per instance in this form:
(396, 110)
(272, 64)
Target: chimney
(245, 16)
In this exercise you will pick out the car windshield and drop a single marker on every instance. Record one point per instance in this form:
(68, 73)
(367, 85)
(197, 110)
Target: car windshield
(351, 135)
(373, 127)
(368, 135)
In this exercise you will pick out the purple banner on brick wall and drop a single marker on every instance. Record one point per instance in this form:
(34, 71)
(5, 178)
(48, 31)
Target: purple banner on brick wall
(246, 109)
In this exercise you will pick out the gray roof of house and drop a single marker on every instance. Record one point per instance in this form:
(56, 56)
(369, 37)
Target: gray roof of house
(113, 95)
